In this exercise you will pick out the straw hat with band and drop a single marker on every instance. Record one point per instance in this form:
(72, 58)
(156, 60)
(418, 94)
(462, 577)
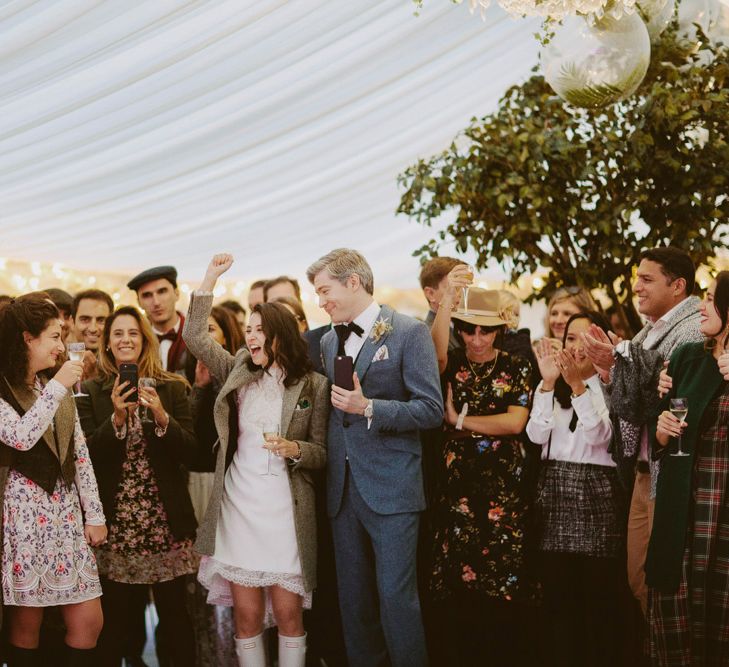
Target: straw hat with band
(484, 308)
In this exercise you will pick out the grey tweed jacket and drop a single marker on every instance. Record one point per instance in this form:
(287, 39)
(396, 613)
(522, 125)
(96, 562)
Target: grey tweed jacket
(633, 391)
(303, 419)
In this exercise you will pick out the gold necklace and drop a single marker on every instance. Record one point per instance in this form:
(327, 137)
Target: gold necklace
(483, 376)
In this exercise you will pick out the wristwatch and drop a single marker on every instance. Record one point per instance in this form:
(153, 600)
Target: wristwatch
(369, 411)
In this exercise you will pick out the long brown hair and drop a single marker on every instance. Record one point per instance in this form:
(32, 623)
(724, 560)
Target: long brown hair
(284, 344)
(149, 361)
(31, 312)
(230, 327)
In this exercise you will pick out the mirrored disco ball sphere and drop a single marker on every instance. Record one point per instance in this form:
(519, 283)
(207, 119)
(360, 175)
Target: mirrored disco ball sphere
(594, 64)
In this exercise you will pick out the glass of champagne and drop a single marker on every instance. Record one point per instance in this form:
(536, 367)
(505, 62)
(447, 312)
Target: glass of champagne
(679, 409)
(469, 275)
(271, 434)
(147, 382)
(76, 352)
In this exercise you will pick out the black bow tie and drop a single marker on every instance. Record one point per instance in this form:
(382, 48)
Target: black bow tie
(343, 331)
(170, 335)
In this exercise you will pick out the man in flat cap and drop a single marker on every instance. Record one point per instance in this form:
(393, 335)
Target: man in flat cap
(157, 295)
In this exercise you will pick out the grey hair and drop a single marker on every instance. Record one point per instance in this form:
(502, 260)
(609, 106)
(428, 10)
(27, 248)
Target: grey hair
(341, 264)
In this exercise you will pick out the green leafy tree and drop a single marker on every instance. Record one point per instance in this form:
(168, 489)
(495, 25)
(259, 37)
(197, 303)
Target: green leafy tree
(582, 192)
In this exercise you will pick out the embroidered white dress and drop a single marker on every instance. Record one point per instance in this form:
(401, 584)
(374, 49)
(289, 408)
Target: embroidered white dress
(45, 558)
(255, 542)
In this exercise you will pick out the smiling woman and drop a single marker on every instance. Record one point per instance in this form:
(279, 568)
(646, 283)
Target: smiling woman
(143, 484)
(51, 510)
(259, 534)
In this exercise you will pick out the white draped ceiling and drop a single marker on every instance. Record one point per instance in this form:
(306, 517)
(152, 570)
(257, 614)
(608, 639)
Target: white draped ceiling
(160, 131)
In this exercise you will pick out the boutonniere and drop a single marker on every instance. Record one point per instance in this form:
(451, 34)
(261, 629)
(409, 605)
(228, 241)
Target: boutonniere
(303, 404)
(379, 329)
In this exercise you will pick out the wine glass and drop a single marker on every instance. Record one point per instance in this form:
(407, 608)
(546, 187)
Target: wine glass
(147, 383)
(679, 409)
(468, 276)
(76, 352)
(271, 434)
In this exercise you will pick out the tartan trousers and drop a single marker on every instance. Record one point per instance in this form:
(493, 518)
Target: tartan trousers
(690, 628)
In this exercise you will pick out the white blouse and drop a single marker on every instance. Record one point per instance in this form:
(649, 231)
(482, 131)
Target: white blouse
(588, 443)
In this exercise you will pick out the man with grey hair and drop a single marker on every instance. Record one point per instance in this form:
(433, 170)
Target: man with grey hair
(374, 475)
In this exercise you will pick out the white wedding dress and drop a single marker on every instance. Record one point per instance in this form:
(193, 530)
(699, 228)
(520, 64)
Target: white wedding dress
(255, 542)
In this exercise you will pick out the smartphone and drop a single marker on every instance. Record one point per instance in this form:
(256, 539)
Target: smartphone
(129, 373)
(343, 371)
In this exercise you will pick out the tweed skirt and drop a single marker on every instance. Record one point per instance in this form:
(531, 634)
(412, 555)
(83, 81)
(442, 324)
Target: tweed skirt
(579, 509)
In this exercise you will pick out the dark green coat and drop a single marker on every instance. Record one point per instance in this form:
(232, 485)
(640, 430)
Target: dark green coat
(695, 376)
(168, 455)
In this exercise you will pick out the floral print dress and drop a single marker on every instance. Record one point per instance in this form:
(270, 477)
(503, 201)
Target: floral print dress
(141, 548)
(45, 558)
(481, 514)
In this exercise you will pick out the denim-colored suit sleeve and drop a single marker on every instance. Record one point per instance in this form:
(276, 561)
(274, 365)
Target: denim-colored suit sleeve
(423, 409)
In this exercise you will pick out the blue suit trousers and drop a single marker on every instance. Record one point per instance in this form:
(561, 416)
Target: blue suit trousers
(376, 573)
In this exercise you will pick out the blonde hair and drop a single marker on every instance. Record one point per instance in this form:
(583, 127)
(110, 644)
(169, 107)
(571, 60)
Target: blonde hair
(341, 264)
(149, 362)
(579, 296)
(509, 306)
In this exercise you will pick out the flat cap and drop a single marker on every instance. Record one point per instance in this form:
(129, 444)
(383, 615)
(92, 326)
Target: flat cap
(169, 272)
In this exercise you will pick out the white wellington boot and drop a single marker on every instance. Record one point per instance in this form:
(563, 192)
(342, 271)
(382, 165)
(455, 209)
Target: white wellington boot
(251, 651)
(291, 651)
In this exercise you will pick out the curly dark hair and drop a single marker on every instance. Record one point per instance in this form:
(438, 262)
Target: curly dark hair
(30, 313)
(291, 352)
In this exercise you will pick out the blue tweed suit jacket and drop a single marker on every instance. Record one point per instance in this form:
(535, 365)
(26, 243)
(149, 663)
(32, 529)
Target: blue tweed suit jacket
(403, 381)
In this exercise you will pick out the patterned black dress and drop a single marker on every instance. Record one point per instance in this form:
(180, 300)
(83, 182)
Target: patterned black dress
(479, 542)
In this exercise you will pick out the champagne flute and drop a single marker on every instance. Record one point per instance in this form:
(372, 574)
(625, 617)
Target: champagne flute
(271, 434)
(76, 352)
(679, 409)
(147, 382)
(468, 276)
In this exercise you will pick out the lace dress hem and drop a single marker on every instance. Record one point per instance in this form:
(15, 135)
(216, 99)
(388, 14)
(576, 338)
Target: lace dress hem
(217, 577)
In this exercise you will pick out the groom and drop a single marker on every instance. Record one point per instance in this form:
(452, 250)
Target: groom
(374, 478)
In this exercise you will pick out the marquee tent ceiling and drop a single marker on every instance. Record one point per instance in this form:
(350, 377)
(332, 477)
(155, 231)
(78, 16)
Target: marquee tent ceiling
(143, 133)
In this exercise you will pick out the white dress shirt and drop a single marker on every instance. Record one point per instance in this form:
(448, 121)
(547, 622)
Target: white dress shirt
(366, 319)
(165, 345)
(588, 443)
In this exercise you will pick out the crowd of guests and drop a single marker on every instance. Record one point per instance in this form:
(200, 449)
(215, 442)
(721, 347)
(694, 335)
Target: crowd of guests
(380, 490)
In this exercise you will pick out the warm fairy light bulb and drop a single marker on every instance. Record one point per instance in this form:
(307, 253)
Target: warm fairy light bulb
(219, 290)
(537, 283)
(34, 282)
(35, 268)
(92, 280)
(185, 288)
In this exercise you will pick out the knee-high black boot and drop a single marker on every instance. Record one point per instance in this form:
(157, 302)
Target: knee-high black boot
(23, 657)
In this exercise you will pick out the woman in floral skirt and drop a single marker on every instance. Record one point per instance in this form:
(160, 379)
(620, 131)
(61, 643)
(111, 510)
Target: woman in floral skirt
(51, 508)
(143, 482)
(478, 565)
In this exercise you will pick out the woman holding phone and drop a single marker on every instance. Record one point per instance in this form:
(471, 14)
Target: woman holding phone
(259, 533)
(143, 483)
(51, 508)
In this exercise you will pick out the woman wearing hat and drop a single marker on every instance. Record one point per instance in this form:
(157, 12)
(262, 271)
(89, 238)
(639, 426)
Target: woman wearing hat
(479, 555)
